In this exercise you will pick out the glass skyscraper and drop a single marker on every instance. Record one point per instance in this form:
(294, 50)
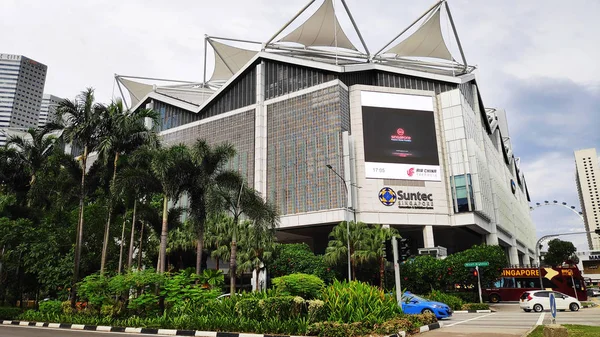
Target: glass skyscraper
(21, 87)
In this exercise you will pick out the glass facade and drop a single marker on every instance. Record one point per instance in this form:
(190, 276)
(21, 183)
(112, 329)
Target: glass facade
(238, 130)
(172, 117)
(463, 189)
(282, 78)
(304, 135)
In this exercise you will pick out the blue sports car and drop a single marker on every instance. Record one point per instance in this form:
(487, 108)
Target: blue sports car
(413, 304)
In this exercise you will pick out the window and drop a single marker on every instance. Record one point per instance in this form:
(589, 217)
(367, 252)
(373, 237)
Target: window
(542, 294)
(464, 191)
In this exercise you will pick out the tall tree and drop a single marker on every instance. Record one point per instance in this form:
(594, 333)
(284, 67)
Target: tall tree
(136, 179)
(337, 249)
(559, 252)
(236, 198)
(120, 133)
(81, 118)
(218, 236)
(169, 167)
(33, 150)
(207, 167)
(373, 248)
(258, 245)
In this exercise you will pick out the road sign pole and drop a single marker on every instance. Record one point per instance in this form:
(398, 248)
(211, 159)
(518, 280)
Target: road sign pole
(479, 284)
(553, 307)
(397, 271)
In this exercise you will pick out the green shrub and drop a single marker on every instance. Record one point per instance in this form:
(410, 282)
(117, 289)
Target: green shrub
(9, 313)
(335, 329)
(350, 302)
(95, 290)
(316, 311)
(303, 285)
(282, 307)
(475, 306)
(298, 258)
(466, 297)
(249, 308)
(51, 307)
(66, 307)
(455, 303)
(408, 323)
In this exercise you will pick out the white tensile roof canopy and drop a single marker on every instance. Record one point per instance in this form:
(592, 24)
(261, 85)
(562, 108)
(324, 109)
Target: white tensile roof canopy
(228, 60)
(424, 50)
(322, 29)
(426, 41)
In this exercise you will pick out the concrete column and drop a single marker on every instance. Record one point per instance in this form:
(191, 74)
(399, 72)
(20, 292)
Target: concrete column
(260, 139)
(491, 239)
(428, 241)
(513, 255)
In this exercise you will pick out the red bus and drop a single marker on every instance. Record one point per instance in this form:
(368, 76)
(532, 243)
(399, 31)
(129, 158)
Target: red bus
(515, 281)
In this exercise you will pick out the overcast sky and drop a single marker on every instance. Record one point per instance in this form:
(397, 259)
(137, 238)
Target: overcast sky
(537, 59)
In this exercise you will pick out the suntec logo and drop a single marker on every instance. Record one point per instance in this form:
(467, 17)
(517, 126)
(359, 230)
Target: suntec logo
(411, 171)
(400, 132)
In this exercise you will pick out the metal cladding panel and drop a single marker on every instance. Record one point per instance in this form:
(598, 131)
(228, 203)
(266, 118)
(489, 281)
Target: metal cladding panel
(237, 130)
(304, 135)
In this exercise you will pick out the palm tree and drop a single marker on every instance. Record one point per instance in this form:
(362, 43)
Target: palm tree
(121, 132)
(81, 117)
(258, 243)
(373, 248)
(218, 236)
(337, 249)
(235, 197)
(33, 151)
(137, 181)
(169, 166)
(206, 168)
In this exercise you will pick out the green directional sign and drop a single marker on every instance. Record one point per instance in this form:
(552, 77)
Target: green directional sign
(477, 264)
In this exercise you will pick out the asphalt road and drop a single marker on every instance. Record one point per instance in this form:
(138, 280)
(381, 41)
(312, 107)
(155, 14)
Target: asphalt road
(509, 321)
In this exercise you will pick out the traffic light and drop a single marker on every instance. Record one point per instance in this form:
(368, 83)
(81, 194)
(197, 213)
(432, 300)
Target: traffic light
(473, 272)
(403, 249)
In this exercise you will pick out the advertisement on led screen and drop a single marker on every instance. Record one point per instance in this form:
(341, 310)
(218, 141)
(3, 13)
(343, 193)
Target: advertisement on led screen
(399, 137)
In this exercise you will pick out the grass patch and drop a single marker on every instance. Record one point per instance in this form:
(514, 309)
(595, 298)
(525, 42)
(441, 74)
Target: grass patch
(574, 330)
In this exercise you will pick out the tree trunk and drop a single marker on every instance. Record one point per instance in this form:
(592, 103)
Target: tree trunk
(122, 245)
(31, 183)
(199, 248)
(353, 267)
(110, 209)
(257, 273)
(217, 262)
(381, 272)
(140, 248)
(79, 236)
(233, 262)
(163, 236)
(132, 238)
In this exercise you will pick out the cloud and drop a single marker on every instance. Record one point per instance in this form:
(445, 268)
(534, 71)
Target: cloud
(537, 60)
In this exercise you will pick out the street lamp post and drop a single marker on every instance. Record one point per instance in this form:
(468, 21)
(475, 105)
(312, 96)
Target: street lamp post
(346, 219)
(537, 249)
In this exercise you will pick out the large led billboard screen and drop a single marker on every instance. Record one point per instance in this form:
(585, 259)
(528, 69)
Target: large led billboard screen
(399, 137)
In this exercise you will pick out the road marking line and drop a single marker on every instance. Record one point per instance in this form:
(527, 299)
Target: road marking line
(541, 319)
(470, 319)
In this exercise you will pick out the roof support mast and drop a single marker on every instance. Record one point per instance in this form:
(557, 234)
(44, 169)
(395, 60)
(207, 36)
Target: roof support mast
(412, 24)
(356, 28)
(121, 91)
(289, 22)
(205, 47)
(462, 54)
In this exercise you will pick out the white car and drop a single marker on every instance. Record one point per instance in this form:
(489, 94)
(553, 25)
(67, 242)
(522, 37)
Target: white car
(539, 300)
